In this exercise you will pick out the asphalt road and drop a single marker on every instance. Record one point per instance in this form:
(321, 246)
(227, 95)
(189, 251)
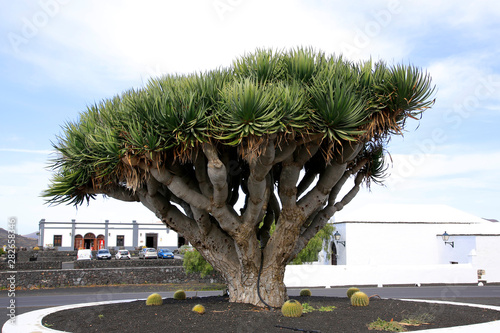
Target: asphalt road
(31, 300)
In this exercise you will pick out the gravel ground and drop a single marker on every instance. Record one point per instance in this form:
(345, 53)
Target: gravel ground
(222, 316)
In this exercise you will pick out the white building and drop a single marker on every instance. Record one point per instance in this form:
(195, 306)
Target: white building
(412, 235)
(94, 235)
(403, 244)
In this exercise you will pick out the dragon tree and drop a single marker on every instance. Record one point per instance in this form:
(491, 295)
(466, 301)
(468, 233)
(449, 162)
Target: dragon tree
(225, 155)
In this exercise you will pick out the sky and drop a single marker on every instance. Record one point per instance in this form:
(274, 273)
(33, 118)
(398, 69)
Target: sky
(59, 56)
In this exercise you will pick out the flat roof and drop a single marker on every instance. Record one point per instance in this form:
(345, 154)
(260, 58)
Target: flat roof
(407, 213)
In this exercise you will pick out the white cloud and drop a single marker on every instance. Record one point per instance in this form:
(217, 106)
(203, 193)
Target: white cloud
(434, 166)
(21, 186)
(466, 79)
(127, 41)
(103, 48)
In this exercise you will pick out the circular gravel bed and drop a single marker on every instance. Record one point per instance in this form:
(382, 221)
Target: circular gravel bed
(222, 316)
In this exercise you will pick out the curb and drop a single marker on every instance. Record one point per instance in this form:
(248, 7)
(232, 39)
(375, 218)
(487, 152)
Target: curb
(31, 322)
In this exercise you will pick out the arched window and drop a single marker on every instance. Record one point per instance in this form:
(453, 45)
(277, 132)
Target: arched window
(89, 241)
(78, 242)
(100, 242)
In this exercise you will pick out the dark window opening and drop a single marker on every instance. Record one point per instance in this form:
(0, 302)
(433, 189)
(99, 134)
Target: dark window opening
(57, 240)
(152, 240)
(120, 240)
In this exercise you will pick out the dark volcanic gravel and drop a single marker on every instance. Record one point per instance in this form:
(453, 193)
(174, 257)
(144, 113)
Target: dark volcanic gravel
(222, 316)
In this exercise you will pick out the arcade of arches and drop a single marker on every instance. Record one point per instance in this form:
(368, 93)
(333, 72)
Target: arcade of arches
(89, 241)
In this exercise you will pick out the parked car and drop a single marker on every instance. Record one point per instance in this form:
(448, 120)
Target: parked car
(148, 252)
(165, 254)
(103, 254)
(84, 254)
(122, 254)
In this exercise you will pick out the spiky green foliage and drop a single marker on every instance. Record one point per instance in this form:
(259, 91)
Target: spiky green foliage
(297, 92)
(351, 291)
(359, 298)
(180, 295)
(198, 308)
(292, 308)
(305, 292)
(154, 299)
(285, 129)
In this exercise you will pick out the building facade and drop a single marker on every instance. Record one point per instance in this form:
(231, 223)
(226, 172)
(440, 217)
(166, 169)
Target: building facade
(75, 235)
(404, 245)
(413, 235)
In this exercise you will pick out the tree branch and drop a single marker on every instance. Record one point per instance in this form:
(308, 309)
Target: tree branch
(117, 192)
(258, 184)
(217, 174)
(316, 198)
(200, 168)
(179, 188)
(272, 214)
(168, 213)
(323, 216)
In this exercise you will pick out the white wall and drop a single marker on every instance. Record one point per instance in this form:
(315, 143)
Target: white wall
(114, 231)
(329, 276)
(406, 253)
(166, 238)
(62, 229)
(391, 244)
(487, 257)
(405, 244)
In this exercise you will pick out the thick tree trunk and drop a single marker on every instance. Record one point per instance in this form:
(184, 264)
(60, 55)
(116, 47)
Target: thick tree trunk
(244, 286)
(238, 245)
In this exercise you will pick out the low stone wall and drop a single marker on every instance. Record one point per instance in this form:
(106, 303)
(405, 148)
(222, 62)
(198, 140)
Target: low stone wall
(103, 276)
(32, 265)
(127, 263)
(47, 255)
(54, 255)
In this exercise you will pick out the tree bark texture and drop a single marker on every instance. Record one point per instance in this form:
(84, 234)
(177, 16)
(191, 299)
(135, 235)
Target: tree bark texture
(293, 184)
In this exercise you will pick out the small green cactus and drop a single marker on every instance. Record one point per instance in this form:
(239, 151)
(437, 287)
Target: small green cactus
(359, 299)
(180, 295)
(305, 292)
(154, 299)
(198, 308)
(351, 291)
(292, 308)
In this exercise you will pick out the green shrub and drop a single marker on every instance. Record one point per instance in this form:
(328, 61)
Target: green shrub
(292, 308)
(195, 263)
(319, 242)
(359, 298)
(351, 291)
(389, 326)
(198, 308)
(306, 308)
(328, 308)
(305, 292)
(180, 295)
(154, 299)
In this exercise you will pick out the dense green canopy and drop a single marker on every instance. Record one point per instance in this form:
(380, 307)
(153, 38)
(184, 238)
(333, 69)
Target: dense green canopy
(286, 129)
(294, 95)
